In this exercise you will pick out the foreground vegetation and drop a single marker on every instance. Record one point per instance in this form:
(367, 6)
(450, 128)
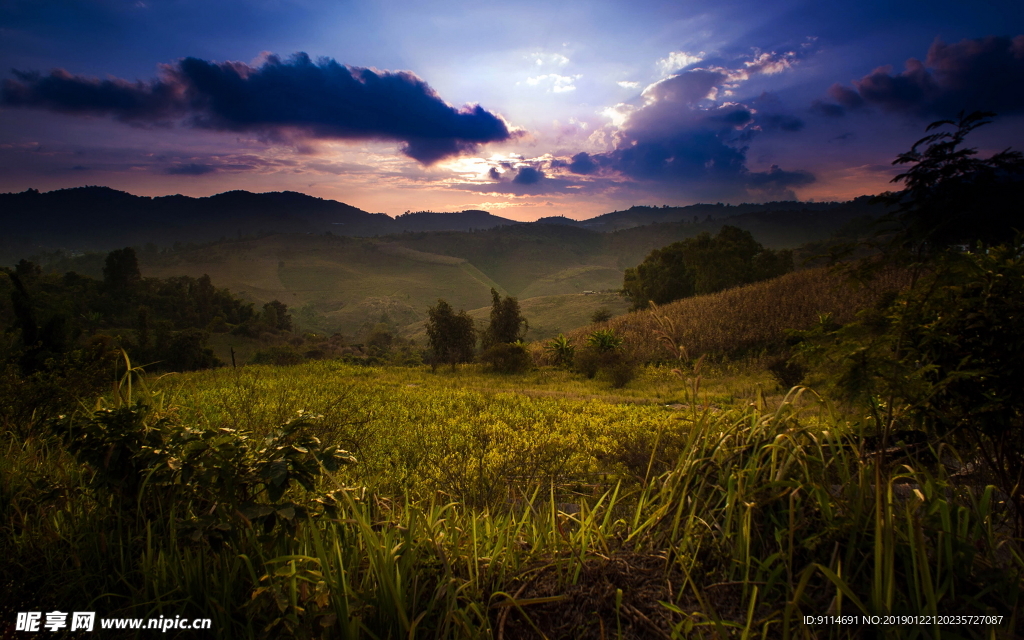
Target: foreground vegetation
(487, 506)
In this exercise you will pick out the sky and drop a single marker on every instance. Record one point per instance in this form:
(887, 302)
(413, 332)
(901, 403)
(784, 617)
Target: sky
(525, 109)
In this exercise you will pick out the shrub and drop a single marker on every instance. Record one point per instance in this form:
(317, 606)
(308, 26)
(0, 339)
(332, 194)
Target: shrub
(622, 371)
(588, 362)
(604, 340)
(602, 353)
(507, 357)
(562, 350)
(230, 480)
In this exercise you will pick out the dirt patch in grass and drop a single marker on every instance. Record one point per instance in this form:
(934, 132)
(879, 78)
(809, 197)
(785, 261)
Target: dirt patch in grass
(590, 608)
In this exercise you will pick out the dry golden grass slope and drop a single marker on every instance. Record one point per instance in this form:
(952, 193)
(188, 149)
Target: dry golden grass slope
(748, 317)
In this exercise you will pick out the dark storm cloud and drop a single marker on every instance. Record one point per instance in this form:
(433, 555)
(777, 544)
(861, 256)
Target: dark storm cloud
(844, 99)
(780, 121)
(529, 178)
(582, 164)
(775, 180)
(982, 74)
(845, 96)
(156, 101)
(688, 156)
(278, 98)
(907, 90)
(827, 109)
(542, 185)
(736, 118)
(528, 175)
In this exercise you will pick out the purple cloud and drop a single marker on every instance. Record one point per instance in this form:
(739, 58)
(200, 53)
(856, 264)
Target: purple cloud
(321, 100)
(582, 164)
(191, 169)
(528, 175)
(683, 140)
(984, 74)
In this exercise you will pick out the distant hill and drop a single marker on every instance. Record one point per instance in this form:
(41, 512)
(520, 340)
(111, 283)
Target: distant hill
(558, 220)
(101, 219)
(454, 221)
(639, 216)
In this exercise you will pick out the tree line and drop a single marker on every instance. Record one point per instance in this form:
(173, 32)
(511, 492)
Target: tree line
(62, 333)
(701, 265)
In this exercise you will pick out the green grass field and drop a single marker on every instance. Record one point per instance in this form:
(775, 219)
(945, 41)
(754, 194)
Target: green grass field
(711, 504)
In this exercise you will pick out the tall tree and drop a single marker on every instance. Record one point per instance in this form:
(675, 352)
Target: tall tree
(451, 336)
(507, 322)
(276, 316)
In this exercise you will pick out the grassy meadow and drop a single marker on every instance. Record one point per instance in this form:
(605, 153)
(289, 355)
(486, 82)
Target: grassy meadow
(707, 502)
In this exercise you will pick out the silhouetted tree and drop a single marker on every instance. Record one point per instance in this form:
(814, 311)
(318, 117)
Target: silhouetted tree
(188, 352)
(951, 197)
(27, 269)
(121, 270)
(276, 316)
(380, 339)
(24, 322)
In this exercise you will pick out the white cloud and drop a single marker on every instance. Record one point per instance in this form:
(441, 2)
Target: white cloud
(549, 59)
(556, 83)
(771, 63)
(677, 60)
(628, 84)
(617, 114)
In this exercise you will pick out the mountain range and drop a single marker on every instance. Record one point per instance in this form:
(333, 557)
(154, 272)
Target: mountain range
(94, 218)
